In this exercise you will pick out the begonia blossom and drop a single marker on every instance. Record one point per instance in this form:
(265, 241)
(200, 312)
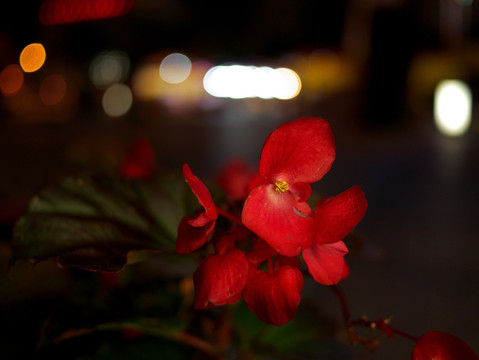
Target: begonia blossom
(276, 209)
(277, 224)
(295, 155)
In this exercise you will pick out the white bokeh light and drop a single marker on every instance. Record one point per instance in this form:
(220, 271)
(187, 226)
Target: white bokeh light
(117, 100)
(108, 68)
(175, 68)
(452, 107)
(239, 82)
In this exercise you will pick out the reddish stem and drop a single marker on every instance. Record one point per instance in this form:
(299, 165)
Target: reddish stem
(379, 324)
(403, 334)
(228, 216)
(342, 302)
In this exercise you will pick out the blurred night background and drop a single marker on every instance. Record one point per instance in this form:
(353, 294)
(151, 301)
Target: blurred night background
(117, 69)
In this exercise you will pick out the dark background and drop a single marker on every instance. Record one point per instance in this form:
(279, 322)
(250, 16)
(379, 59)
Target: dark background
(420, 265)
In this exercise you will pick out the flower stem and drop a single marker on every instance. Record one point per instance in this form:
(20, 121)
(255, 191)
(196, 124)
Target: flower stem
(381, 324)
(403, 334)
(228, 216)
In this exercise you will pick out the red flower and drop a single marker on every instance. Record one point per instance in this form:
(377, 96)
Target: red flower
(274, 296)
(293, 156)
(436, 345)
(279, 223)
(220, 279)
(194, 231)
(139, 161)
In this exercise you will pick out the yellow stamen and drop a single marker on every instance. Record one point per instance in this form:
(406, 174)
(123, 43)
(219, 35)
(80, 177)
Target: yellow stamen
(281, 186)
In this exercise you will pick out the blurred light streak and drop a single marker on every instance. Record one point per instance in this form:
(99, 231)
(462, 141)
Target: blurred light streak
(53, 89)
(32, 57)
(11, 80)
(109, 68)
(117, 100)
(54, 12)
(175, 68)
(452, 107)
(239, 82)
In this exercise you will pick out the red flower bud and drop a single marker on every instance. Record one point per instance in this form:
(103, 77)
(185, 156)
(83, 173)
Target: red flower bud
(436, 345)
(274, 297)
(220, 279)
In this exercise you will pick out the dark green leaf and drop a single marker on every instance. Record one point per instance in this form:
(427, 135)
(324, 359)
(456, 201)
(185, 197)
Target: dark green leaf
(95, 222)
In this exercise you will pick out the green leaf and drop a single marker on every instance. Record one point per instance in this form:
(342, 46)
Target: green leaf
(95, 222)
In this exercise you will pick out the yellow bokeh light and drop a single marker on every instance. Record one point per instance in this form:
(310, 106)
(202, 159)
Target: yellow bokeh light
(146, 82)
(32, 57)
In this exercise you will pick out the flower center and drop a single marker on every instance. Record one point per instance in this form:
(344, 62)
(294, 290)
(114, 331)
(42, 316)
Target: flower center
(281, 186)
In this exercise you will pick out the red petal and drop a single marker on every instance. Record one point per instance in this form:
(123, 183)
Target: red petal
(204, 198)
(274, 297)
(191, 238)
(257, 181)
(326, 262)
(299, 151)
(336, 216)
(220, 279)
(303, 190)
(280, 219)
(436, 345)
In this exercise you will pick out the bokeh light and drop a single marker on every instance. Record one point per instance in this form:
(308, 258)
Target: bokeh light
(109, 68)
(286, 84)
(53, 89)
(452, 107)
(117, 100)
(238, 82)
(32, 57)
(175, 68)
(146, 82)
(11, 80)
(53, 12)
